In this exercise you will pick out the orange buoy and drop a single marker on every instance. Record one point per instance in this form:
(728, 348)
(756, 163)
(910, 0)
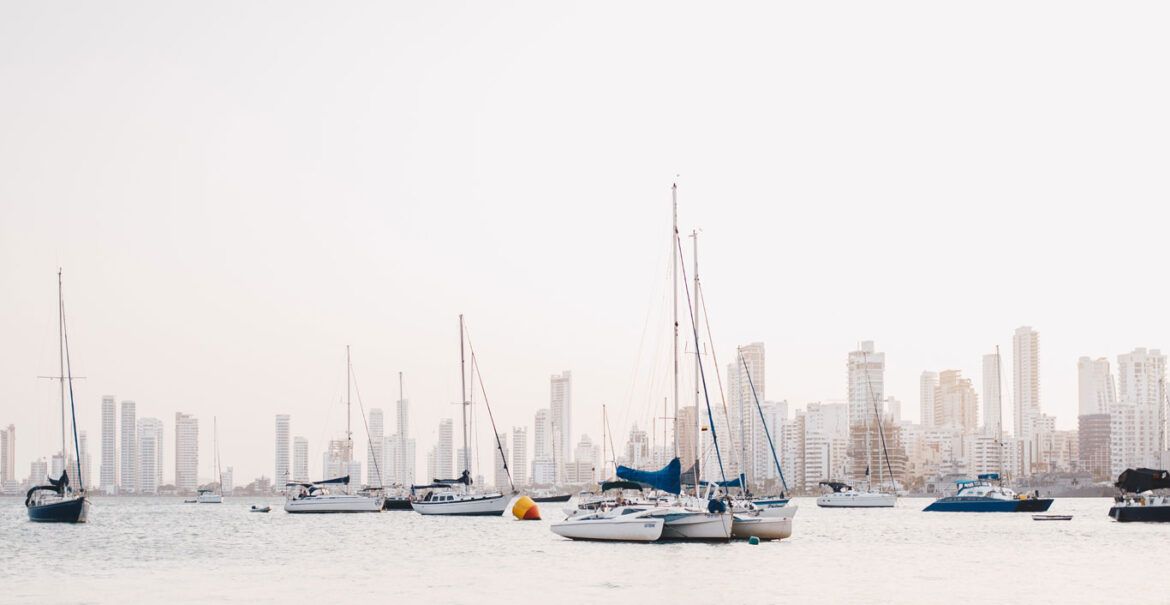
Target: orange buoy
(525, 509)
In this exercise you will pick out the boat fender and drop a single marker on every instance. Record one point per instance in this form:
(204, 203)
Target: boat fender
(754, 540)
(716, 506)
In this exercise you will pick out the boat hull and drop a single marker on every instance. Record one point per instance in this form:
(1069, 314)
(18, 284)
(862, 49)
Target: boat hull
(989, 505)
(1147, 514)
(333, 504)
(560, 498)
(697, 526)
(643, 529)
(209, 499)
(74, 510)
(857, 500)
(768, 524)
(481, 506)
(770, 502)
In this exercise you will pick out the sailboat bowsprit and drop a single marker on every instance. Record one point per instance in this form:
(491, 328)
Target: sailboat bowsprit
(58, 502)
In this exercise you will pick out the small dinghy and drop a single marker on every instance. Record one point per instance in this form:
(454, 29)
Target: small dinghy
(260, 509)
(1052, 517)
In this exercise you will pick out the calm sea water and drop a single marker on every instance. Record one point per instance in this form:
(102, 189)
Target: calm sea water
(161, 550)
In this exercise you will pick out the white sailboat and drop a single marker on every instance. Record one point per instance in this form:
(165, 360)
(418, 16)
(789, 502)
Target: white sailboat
(210, 496)
(629, 523)
(318, 497)
(457, 496)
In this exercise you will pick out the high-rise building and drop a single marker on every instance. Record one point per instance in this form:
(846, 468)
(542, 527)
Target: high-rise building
(867, 370)
(402, 450)
(955, 403)
(283, 422)
(128, 475)
(109, 478)
(444, 450)
(38, 471)
(227, 481)
(377, 475)
(1138, 427)
(637, 453)
(992, 395)
(688, 454)
(1093, 434)
(587, 452)
(520, 455)
(186, 452)
(744, 387)
(1096, 391)
(300, 459)
(561, 408)
(927, 384)
(150, 455)
(501, 458)
(7, 454)
(1026, 392)
(85, 471)
(775, 415)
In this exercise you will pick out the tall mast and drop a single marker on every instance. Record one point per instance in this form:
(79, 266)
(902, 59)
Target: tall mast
(463, 397)
(348, 432)
(998, 411)
(674, 291)
(698, 423)
(61, 357)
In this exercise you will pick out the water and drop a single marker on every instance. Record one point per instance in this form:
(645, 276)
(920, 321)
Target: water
(161, 550)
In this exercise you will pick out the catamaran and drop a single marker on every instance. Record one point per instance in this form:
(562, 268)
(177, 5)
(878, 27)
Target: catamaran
(985, 494)
(58, 502)
(317, 497)
(457, 496)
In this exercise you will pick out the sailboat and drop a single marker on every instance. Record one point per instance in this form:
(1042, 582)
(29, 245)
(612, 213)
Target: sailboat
(845, 496)
(457, 496)
(317, 497)
(207, 495)
(58, 502)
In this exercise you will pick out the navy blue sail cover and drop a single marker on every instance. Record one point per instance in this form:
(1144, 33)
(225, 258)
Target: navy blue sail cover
(667, 479)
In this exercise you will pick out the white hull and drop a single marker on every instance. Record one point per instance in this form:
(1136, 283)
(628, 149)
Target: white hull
(767, 524)
(616, 529)
(209, 499)
(691, 525)
(857, 500)
(340, 503)
(466, 505)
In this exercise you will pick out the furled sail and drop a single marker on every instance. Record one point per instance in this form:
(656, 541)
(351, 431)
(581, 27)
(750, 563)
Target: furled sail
(667, 479)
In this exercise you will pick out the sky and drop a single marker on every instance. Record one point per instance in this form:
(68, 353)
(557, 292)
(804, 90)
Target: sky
(238, 190)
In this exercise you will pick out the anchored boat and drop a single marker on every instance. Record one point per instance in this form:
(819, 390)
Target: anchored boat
(844, 496)
(986, 494)
(1143, 496)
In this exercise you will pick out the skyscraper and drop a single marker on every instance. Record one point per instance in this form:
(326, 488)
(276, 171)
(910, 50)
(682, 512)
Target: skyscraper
(109, 478)
(403, 451)
(867, 370)
(186, 452)
(300, 467)
(129, 469)
(444, 450)
(955, 402)
(992, 395)
(376, 450)
(520, 455)
(150, 455)
(927, 383)
(742, 411)
(7, 454)
(1096, 391)
(1026, 393)
(281, 475)
(1139, 417)
(501, 457)
(561, 407)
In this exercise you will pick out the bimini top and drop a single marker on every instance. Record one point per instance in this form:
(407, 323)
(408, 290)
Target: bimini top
(836, 486)
(1135, 480)
(667, 479)
(989, 477)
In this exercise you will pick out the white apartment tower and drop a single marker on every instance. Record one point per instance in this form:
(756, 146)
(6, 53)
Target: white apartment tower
(128, 475)
(186, 452)
(1025, 380)
(561, 406)
(742, 411)
(1140, 414)
(927, 384)
(400, 451)
(867, 370)
(376, 450)
(300, 461)
(444, 449)
(501, 457)
(281, 476)
(1096, 391)
(109, 472)
(7, 455)
(520, 455)
(992, 395)
(150, 455)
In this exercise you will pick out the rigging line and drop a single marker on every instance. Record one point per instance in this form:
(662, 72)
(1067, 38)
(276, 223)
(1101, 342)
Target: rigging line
(369, 440)
(612, 449)
(478, 375)
(764, 422)
(702, 374)
(877, 416)
(72, 405)
(718, 377)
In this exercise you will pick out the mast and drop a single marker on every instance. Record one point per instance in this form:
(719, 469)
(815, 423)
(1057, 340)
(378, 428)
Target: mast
(463, 397)
(604, 464)
(698, 423)
(999, 411)
(348, 432)
(61, 358)
(674, 292)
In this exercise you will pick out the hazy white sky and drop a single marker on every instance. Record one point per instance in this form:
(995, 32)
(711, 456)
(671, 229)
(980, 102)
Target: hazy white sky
(238, 190)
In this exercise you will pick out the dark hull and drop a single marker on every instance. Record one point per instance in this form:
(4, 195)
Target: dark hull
(989, 505)
(1149, 514)
(393, 504)
(69, 511)
(560, 498)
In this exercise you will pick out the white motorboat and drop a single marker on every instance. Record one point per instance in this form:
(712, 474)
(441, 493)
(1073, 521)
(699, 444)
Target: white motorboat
(621, 524)
(844, 496)
(312, 498)
(772, 523)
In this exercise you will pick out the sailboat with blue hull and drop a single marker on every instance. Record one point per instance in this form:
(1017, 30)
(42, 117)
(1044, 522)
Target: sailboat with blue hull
(58, 502)
(986, 495)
